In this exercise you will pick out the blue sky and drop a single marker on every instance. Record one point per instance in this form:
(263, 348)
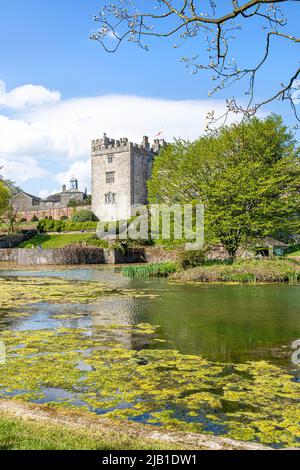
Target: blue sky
(45, 43)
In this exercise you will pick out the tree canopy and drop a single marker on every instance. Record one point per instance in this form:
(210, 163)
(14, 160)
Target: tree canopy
(247, 176)
(4, 198)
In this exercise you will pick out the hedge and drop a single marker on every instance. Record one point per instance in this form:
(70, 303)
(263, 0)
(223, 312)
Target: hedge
(48, 225)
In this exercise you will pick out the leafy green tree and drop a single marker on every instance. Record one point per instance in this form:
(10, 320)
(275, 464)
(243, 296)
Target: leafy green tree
(4, 198)
(10, 216)
(247, 176)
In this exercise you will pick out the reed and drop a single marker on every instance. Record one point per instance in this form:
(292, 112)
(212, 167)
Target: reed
(150, 270)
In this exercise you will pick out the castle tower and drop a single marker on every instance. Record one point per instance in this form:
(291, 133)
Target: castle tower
(120, 170)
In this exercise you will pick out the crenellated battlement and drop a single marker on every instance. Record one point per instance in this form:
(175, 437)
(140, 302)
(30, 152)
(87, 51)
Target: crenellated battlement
(106, 144)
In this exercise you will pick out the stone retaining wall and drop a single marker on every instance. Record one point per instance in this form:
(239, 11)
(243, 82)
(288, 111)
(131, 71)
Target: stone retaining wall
(10, 241)
(74, 255)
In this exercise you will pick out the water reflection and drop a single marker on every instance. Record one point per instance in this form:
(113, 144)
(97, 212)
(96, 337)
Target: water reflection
(223, 323)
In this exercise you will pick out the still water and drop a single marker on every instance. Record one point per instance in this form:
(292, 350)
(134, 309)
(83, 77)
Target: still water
(228, 323)
(232, 329)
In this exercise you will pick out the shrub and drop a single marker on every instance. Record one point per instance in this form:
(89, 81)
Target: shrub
(64, 217)
(98, 242)
(48, 225)
(85, 215)
(34, 219)
(42, 225)
(191, 259)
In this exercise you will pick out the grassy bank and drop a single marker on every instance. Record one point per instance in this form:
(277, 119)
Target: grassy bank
(20, 434)
(48, 241)
(296, 254)
(41, 427)
(277, 270)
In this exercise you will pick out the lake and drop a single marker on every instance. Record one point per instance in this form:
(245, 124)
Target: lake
(204, 358)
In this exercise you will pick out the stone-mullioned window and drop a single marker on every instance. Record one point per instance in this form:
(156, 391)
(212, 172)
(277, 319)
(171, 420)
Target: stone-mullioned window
(110, 198)
(110, 158)
(110, 177)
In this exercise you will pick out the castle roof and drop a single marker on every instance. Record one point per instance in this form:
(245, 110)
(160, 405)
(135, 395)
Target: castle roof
(53, 198)
(30, 195)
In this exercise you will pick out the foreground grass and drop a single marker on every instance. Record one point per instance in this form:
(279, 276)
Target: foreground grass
(48, 241)
(26, 426)
(24, 434)
(269, 270)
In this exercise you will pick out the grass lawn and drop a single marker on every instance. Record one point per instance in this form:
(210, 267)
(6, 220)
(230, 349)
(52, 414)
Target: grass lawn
(24, 426)
(295, 254)
(25, 434)
(55, 240)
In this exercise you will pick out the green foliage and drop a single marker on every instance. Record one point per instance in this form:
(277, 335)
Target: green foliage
(190, 259)
(267, 270)
(88, 200)
(8, 214)
(150, 270)
(84, 215)
(50, 225)
(247, 176)
(98, 242)
(4, 197)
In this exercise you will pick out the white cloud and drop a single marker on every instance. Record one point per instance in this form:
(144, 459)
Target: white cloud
(45, 193)
(21, 169)
(27, 96)
(55, 131)
(73, 123)
(81, 169)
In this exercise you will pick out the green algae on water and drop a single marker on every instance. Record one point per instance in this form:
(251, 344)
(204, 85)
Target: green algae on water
(97, 368)
(20, 291)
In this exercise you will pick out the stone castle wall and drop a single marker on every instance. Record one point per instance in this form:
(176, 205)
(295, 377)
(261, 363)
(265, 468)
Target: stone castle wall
(131, 164)
(121, 187)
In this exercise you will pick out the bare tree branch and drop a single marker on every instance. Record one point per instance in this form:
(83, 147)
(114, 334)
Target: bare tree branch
(219, 24)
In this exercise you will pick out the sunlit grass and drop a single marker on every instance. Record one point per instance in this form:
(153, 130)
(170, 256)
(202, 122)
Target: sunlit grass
(23, 434)
(48, 241)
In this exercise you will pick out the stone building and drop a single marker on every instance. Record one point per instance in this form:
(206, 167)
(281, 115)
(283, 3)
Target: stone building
(120, 170)
(55, 205)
